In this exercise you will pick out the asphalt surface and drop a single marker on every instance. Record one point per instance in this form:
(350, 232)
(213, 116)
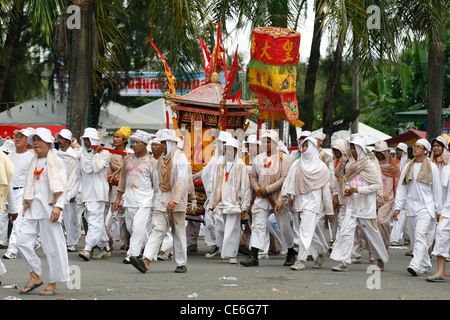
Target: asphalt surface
(217, 280)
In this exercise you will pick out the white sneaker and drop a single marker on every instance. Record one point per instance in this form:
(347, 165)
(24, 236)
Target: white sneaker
(340, 267)
(37, 246)
(232, 261)
(298, 265)
(85, 255)
(318, 263)
(163, 256)
(72, 249)
(212, 253)
(263, 256)
(102, 255)
(9, 255)
(126, 260)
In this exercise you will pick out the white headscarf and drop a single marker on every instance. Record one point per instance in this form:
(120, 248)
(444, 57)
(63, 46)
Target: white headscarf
(311, 173)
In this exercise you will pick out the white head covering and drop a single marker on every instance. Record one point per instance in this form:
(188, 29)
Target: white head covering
(66, 134)
(402, 146)
(318, 135)
(168, 135)
(180, 143)
(8, 146)
(272, 134)
(381, 146)
(252, 139)
(224, 136)
(43, 133)
(282, 147)
(425, 143)
(141, 136)
(92, 135)
(25, 132)
(310, 156)
(360, 145)
(304, 134)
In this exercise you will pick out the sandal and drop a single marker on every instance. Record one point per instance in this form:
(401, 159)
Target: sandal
(52, 292)
(435, 278)
(31, 287)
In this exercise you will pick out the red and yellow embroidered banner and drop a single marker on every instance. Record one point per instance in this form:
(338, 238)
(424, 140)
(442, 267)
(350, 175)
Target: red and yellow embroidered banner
(275, 53)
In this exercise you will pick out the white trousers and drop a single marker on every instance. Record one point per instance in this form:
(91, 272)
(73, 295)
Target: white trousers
(53, 245)
(167, 244)
(397, 227)
(260, 228)
(96, 234)
(4, 221)
(161, 223)
(312, 239)
(345, 240)
(2, 268)
(213, 227)
(420, 226)
(442, 244)
(136, 219)
(231, 235)
(72, 223)
(13, 247)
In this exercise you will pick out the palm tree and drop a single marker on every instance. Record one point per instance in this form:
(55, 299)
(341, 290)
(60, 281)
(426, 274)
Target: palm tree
(366, 46)
(91, 52)
(18, 14)
(429, 19)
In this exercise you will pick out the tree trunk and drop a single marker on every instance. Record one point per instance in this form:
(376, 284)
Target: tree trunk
(80, 97)
(311, 73)
(435, 89)
(331, 88)
(12, 39)
(354, 128)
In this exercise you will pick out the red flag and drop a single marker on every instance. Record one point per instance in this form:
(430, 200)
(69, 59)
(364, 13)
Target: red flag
(233, 85)
(206, 55)
(169, 74)
(217, 60)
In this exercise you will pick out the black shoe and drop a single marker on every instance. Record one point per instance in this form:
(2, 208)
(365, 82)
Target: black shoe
(250, 261)
(290, 260)
(244, 250)
(181, 269)
(2, 246)
(213, 252)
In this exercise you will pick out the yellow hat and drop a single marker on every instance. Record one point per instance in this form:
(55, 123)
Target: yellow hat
(124, 132)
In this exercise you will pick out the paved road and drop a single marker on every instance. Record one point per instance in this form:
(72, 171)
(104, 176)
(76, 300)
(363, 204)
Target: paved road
(214, 280)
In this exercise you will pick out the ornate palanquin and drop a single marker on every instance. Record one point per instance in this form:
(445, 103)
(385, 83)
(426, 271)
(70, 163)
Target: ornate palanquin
(205, 110)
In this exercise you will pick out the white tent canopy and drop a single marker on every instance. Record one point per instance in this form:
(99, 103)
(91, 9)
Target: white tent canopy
(370, 134)
(48, 110)
(115, 115)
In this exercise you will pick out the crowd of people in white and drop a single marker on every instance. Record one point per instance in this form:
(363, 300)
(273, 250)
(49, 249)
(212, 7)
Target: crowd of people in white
(260, 198)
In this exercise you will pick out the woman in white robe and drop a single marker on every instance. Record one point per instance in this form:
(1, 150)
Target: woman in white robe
(231, 195)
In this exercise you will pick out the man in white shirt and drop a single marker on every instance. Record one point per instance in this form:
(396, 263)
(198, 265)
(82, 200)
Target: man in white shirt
(44, 197)
(267, 176)
(361, 183)
(170, 205)
(92, 181)
(10, 205)
(136, 186)
(21, 159)
(399, 234)
(115, 220)
(71, 220)
(420, 186)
